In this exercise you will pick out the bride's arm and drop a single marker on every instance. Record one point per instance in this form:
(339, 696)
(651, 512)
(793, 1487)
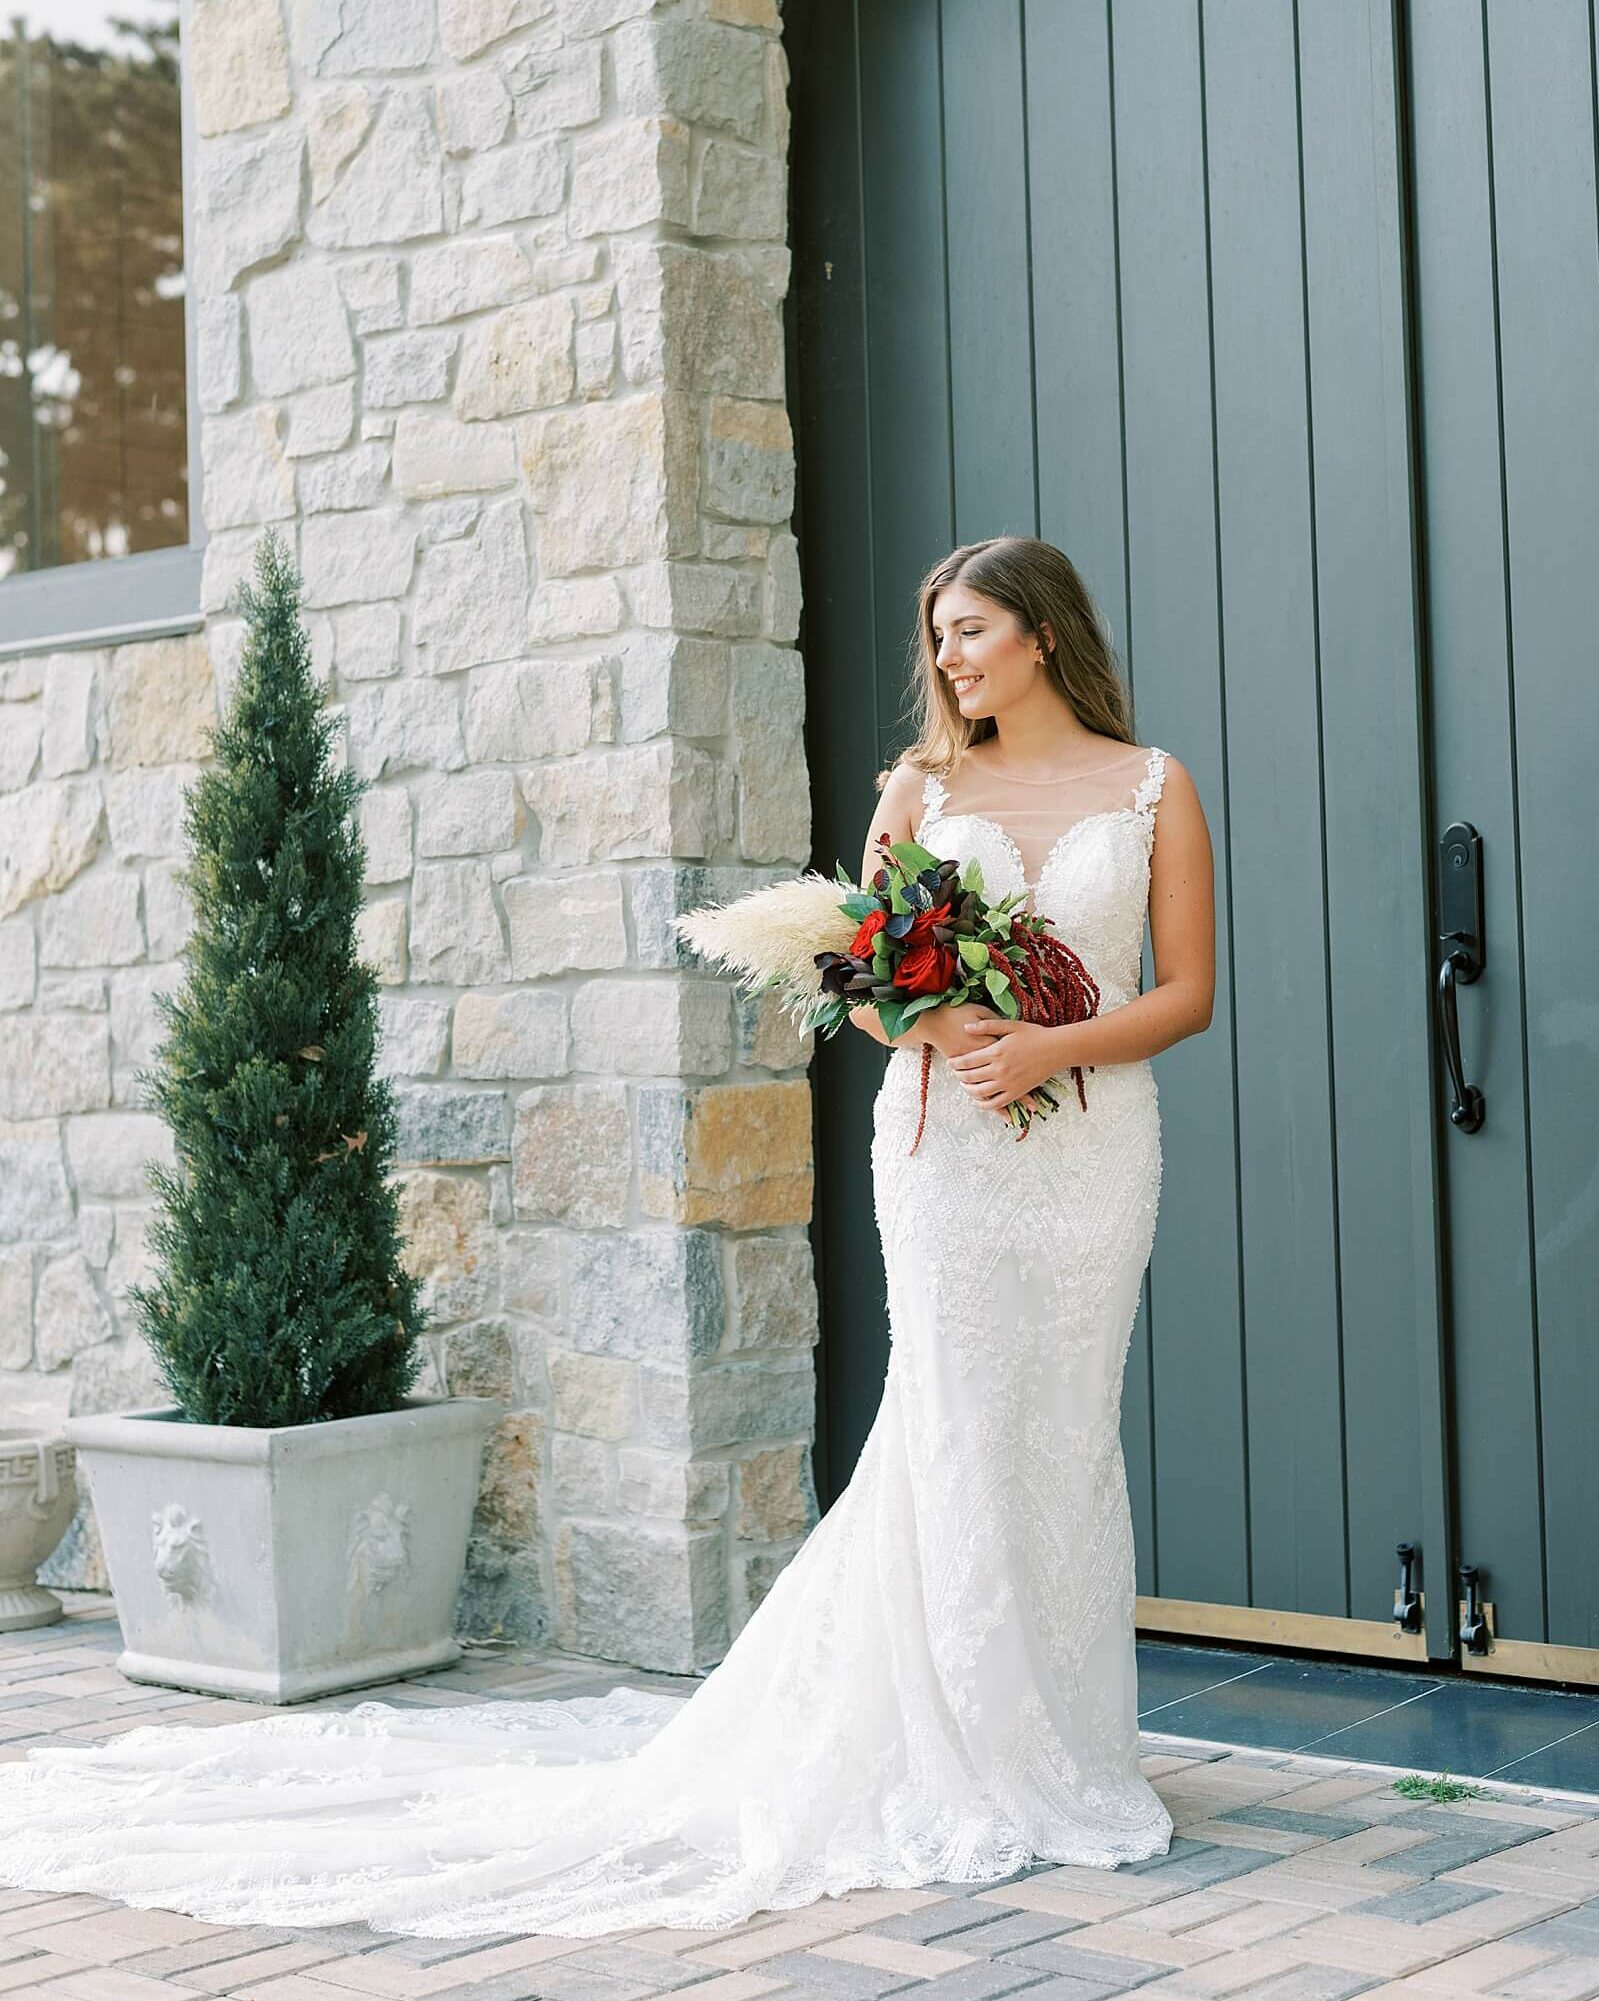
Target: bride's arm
(895, 817)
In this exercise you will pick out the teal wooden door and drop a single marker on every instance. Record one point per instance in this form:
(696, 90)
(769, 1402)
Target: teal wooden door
(1181, 288)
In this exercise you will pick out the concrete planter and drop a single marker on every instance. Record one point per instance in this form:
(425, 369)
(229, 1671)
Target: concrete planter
(286, 1562)
(38, 1493)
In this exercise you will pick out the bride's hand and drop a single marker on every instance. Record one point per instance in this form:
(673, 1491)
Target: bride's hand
(948, 1033)
(998, 1060)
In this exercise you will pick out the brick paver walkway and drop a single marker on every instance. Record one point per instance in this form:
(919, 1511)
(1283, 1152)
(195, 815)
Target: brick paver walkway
(1289, 1879)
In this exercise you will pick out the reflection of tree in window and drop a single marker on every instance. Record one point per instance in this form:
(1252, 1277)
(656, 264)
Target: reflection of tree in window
(93, 442)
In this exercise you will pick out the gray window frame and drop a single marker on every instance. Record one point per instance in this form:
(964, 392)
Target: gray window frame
(126, 597)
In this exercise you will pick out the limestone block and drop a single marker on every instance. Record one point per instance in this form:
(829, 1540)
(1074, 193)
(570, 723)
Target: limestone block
(145, 810)
(110, 1153)
(137, 1029)
(630, 172)
(449, 1242)
(473, 814)
(69, 702)
(412, 367)
(344, 37)
(80, 993)
(465, 276)
(782, 596)
(435, 454)
(667, 1485)
(648, 799)
(356, 558)
(167, 915)
(510, 1035)
(471, 595)
(672, 1026)
(68, 1314)
(299, 330)
(16, 963)
(118, 1375)
(50, 1064)
(457, 938)
(592, 1395)
(337, 119)
(673, 685)
(698, 320)
(468, 27)
(472, 110)
(371, 288)
(247, 478)
(554, 89)
(596, 359)
(575, 608)
(768, 724)
(385, 822)
(443, 1128)
(513, 1456)
(514, 714)
(660, 894)
(583, 1474)
(512, 183)
(238, 62)
(366, 642)
(21, 731)
(94, 923)
(319, 420)
(776, 1494)
(740, 191)
(414, 1035)
(644, 1591)
(749, 473)
(612, 483)
(727, 1404)
(593, 17)
(380, 935)
(520, 359)
(16, 1309)
(48, 834)
(571, 1154)
(160, 703)
(35, 1201)
(696, 597)
(738, 1154)
(700, 71)
(406, 725)
(767, 1035)
(648, 1295)
(22, 680)
(348, 479)
(565, 923)
(393, 189)
(247, 205)
(219, 352)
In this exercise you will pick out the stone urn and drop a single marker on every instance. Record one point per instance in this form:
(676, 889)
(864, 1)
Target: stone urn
(282, 1562)
(38, 1496)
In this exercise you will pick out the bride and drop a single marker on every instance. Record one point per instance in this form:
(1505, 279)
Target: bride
(940, 1685)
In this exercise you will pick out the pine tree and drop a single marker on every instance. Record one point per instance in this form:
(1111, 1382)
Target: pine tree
(279, 1297)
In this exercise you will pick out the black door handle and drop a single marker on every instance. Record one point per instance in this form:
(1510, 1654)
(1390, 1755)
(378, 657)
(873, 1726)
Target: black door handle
(1461, 959)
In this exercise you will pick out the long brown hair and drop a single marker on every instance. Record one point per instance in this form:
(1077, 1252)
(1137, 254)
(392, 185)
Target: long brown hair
(1039, 585)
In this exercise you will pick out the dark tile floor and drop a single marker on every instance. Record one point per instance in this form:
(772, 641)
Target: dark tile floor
(1476, 1729)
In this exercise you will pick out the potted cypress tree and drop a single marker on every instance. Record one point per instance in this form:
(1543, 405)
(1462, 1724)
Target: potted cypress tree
(296, 1521)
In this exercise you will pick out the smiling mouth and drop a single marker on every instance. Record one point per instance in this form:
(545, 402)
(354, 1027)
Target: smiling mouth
(961, 682)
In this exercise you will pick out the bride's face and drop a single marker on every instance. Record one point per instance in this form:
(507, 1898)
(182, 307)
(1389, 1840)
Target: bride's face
(980, 652)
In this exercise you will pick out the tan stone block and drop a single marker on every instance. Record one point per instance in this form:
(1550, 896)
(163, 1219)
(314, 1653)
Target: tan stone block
(160, 703)
(613, 483)
(774, 1494)
(508, 1497)
(449, 1241)
(593, 1394)
(239, 61)
(520, 359)
(571, 1154)
(743, 1158)
(48, 835)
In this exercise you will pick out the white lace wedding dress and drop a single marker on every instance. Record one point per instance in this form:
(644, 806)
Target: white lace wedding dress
(940, 1685)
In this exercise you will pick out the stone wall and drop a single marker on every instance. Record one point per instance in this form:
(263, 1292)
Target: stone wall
(489, 298)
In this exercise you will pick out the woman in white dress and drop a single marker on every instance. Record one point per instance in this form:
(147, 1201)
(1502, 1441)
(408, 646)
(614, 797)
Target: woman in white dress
(940, 1685)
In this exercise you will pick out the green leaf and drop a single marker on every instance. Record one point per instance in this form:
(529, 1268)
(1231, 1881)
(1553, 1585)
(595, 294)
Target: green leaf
(973, 951)
(921, 1003)
(842, 874)
(892, 1015)
(912, 857)
(971, 877)
(858, 906)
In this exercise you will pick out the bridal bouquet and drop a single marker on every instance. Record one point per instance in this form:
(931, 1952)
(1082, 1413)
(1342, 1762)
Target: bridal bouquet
(922, 934)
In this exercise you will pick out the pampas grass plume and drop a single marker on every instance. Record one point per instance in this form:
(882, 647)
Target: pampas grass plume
(770, 936)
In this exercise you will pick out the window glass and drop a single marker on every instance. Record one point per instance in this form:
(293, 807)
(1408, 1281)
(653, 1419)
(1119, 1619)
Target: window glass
(93, 418)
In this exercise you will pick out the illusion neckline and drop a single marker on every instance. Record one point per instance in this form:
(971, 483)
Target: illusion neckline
(1011, 778)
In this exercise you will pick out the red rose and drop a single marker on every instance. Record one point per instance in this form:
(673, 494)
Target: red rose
(927, 967)
(871, 924)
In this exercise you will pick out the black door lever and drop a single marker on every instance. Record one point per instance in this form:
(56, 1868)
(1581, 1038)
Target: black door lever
(1460, 960)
